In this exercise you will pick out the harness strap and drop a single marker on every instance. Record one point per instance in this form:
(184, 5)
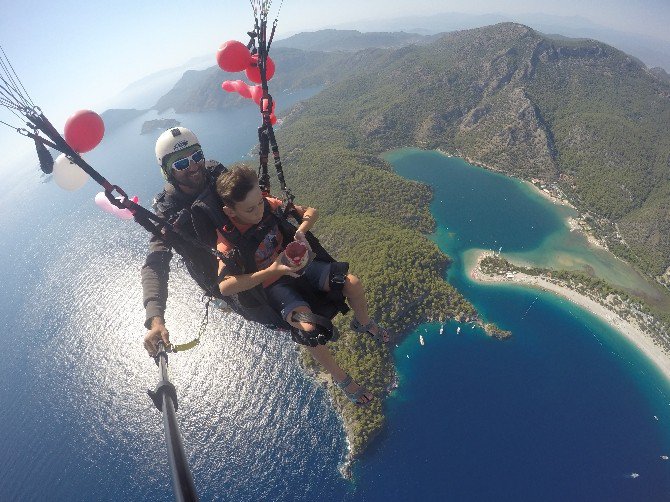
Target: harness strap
(233, 264)
(323, 329)
(266, 135)
(337, 279)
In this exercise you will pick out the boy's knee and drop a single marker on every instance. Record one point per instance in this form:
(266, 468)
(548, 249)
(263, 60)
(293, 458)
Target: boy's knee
(303, 325)
(310, 329)
(353, 283)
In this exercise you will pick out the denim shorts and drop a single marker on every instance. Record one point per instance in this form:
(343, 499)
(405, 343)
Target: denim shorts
(285, 298)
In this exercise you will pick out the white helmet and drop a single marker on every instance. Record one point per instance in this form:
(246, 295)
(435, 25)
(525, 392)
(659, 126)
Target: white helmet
(171, 141)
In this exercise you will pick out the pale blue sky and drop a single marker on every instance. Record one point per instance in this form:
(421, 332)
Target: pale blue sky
(75, 54)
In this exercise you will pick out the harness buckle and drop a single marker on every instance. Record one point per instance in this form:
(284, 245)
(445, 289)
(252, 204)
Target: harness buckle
(338, 279)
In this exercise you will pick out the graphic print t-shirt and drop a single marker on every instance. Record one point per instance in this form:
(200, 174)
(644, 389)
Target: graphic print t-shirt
(268, 249)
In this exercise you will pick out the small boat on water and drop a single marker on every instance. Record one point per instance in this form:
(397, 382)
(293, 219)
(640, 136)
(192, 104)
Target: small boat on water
(441, 329)
(664, 457)
(421, 340)
(458, 330)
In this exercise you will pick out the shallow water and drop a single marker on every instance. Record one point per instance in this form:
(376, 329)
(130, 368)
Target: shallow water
(562, 411)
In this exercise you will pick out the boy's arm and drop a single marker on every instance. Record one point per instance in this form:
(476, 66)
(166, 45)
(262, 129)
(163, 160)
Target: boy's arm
(232, 284)
(308, 219)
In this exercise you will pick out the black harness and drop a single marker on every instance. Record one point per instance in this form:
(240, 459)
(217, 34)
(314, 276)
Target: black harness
(254, 302)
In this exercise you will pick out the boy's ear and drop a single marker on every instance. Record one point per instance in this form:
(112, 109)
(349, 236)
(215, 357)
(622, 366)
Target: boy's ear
(228, 211)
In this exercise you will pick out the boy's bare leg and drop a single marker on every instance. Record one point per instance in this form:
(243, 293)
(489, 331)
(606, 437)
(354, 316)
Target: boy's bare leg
(324, 357)
(353, 290)
(355, 294)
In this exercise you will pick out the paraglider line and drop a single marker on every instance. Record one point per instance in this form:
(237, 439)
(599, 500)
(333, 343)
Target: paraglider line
(29, 100)
(6, 102)
(278, 11)
(10, 89)
(8, 125)
(9, 96)
(13, 112)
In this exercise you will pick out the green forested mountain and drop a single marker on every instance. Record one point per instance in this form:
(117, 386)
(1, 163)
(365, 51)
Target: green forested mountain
(578, 113)
(200, 90)
(581, 114)
(661, 74)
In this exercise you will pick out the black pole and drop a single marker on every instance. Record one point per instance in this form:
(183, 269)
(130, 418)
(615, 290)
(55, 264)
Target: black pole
(165, 399)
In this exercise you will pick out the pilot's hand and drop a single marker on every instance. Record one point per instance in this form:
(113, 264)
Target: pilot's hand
(157, 333)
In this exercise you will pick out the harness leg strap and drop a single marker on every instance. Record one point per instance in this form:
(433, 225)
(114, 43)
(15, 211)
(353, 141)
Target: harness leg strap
(323, 329)
(337, 278)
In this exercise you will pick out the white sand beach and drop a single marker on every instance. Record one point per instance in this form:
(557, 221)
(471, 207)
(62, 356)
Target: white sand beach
(630, 329)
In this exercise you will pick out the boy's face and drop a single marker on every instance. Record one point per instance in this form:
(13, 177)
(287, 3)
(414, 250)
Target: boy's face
(250, 210)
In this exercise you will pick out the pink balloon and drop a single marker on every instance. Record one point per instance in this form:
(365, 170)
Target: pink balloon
(256, 93)
(228, 86)
(103, 203)
(254, 74)
(84, 131)
(233, 56)
(242, 88)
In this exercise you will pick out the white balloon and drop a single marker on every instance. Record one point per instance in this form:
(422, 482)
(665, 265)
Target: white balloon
(68, 175)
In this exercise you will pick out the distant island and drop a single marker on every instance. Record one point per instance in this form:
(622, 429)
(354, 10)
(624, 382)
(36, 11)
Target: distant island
(158, 124)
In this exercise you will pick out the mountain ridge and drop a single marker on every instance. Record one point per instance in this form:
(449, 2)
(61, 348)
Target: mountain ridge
(578, 113)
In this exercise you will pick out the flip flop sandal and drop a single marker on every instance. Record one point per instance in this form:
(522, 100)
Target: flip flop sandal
(354, 397)
(361, 328)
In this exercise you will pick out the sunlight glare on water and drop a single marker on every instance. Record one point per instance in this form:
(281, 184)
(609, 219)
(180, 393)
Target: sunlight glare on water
(244, 404)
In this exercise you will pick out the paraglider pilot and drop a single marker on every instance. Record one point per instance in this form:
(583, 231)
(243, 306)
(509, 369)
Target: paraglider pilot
(188, 176)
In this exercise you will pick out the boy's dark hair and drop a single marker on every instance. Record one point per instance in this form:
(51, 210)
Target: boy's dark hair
(234, 186)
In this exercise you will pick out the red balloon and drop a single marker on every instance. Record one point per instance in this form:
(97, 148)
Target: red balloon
(84, 131)
(228, 86)
(254, 74)
(242, 88)
(233, 56)
(256, 93)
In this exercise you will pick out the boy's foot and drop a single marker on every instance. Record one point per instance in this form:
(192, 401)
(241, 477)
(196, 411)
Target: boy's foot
(356, 393)
(372, 328)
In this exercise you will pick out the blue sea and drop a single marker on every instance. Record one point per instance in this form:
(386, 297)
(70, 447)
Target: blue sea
(565, 410)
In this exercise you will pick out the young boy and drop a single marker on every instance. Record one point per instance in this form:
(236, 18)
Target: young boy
(244, 205)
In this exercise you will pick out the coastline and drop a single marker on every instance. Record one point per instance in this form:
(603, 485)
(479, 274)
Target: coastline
(354, 446)
(630, 329)
(549, 192)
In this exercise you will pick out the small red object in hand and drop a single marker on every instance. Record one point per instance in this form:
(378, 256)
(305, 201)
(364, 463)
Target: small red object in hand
(295, 252)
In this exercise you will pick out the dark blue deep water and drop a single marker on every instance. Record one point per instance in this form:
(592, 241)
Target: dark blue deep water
(563, 411)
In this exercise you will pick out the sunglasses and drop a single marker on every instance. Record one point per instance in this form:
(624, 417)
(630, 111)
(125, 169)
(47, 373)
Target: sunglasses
(181, 164)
